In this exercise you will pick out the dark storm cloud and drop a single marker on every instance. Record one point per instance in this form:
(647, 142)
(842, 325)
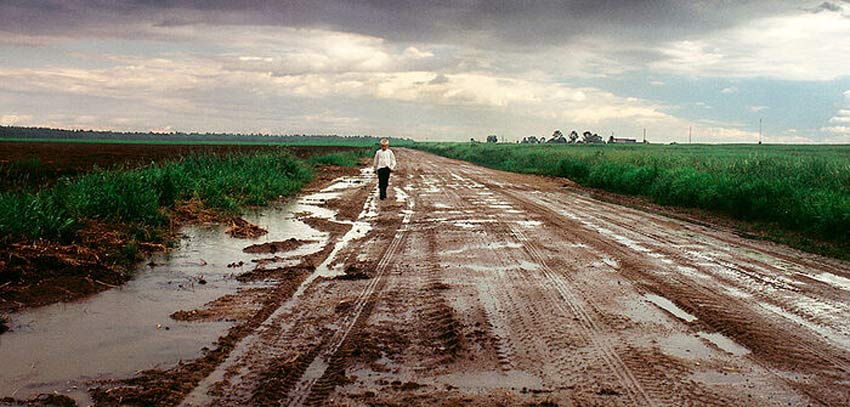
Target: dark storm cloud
(484, 23)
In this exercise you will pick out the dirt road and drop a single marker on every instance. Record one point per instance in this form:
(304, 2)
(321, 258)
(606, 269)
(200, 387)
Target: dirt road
(478, 287)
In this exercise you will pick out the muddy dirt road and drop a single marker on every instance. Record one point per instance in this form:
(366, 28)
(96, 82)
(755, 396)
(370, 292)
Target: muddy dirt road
(476, 287)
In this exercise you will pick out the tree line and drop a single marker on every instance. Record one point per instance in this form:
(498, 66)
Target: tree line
(42, 133)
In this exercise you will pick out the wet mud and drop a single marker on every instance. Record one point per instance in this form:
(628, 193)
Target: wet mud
(476, 287)
(241, 228)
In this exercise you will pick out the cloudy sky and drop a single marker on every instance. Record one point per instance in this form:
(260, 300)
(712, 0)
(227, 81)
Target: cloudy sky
(432, 70)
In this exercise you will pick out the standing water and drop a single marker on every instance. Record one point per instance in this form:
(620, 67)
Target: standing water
(63, 347)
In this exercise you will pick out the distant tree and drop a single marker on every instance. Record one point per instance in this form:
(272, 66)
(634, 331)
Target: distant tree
(588, 137)
(492, 139)
(557, 137)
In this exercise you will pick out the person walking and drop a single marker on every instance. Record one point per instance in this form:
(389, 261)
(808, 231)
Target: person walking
(384, 164)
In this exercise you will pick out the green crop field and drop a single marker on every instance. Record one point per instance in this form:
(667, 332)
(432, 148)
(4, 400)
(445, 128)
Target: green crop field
(138, 196)
(804, 190)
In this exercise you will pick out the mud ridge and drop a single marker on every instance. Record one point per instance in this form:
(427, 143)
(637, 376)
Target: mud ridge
(275, 247)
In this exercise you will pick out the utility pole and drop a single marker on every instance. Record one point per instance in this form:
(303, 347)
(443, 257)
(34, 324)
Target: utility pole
(690, 130)
(644, 135)
(759, 131)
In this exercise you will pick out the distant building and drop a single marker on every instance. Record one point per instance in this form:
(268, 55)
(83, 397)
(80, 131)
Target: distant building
(615, 140)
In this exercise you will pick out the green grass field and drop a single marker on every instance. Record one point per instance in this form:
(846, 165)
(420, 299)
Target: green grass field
(800, 189)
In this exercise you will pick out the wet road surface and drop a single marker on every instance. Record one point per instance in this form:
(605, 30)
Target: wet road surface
(470, 286)
(485, 287)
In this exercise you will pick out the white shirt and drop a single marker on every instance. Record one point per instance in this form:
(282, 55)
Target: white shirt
(385, 158)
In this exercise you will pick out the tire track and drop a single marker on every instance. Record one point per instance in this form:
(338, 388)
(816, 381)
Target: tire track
(749, 329)
(314, 385)
(496, 324)
(772, 287)
(591, 331)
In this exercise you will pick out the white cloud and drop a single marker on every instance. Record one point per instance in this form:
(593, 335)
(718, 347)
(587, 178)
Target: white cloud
(757, 108)
(841, 119)
(836, 129)
(275, 78)
(843, 116)
(416, 53)
(730, 90)
(803, 46)
(14, 119)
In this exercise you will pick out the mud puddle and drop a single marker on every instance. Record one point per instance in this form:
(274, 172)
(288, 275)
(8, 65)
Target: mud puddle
(670, 307)
(64, 347)
(833, 280)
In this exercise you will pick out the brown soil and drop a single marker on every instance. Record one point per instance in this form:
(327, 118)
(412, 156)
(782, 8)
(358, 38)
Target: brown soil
(240, 228)
(40, 273)
(507, 289)
(233, 307)
(275, 247)
(43, 400)
(488, 288)
(325, 224)
(261, 273)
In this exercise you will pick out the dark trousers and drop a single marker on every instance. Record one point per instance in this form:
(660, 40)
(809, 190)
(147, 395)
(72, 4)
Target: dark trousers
(383, 181)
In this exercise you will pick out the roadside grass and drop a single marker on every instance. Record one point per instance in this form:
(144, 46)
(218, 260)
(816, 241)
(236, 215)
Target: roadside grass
(341, 159)
(61, 240)
(802, 190)
(142, 195)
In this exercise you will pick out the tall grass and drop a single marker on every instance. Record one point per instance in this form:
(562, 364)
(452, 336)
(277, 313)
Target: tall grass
(139, 196)
(342, 158)
(803, 189)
